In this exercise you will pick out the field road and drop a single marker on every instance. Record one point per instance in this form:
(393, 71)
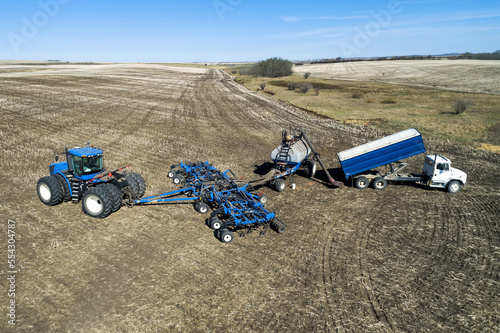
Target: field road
(406, 259)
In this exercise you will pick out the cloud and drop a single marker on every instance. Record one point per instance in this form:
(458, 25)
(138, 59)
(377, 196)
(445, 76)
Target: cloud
(296, 19)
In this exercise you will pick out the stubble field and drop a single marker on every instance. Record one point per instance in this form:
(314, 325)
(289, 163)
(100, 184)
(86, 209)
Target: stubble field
(476, 76)
(405, 259)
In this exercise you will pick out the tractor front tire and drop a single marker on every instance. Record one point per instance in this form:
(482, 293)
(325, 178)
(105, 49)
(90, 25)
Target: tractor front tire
(65, 186)
(96, 202)
(50, 190)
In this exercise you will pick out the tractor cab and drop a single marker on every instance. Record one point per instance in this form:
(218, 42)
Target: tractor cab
(84, 163)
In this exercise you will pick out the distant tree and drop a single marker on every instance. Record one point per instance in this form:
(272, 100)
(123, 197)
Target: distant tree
(306, 75)
(272, 67)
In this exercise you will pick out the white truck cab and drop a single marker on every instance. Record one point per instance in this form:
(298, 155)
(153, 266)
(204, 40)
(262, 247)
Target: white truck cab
(440, 174)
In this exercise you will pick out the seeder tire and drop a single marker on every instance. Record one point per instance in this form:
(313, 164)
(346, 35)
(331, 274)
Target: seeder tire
(141, 184)
(96, 202)
(215, 223)
(263, 199)
(178, 179)
(49, 190)
(225, 236)
(280, 185)
(278, 227)
(201, 207)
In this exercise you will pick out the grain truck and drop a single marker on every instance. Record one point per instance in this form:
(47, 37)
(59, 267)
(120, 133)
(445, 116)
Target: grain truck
(358, 164)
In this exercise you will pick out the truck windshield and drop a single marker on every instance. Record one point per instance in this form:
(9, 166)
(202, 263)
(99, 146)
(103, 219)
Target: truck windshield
(92, 164)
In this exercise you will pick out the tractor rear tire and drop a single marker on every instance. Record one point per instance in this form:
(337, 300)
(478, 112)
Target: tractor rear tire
(225, 236)
(133, 184)
(50, 190)
(65, 186)
(115, 195)
(96, 202)
(140, 183)
(280, 185)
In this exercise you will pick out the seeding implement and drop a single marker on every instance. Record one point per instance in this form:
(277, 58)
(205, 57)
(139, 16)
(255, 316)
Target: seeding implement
(295, 152)
(82, 177)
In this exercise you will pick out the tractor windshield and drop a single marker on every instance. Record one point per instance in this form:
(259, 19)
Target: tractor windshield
(92, 164)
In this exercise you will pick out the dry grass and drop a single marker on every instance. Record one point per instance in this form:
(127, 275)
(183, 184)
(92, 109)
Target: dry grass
(395, 107)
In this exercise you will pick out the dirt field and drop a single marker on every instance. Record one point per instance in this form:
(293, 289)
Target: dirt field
(475, 76)
(406, 259)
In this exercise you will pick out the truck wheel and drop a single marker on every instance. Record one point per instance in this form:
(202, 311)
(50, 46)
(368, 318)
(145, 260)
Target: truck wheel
(96, 202)
(280, 185)
(225, 236)
(49, 190)
(65, 186)
(454, 186)
(361, 182)
(379, 183)
(141, 184)
(115, 196)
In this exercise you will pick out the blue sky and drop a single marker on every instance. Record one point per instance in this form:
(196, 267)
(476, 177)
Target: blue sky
(242, 30)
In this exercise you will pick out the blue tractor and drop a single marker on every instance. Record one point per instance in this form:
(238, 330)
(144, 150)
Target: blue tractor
(82, 177)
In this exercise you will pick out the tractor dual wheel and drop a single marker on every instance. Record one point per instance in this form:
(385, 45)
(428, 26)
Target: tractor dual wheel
(50, 190)
(379, 183)
(114, 194)
(96, 202)
(137, 183)
(65, 186)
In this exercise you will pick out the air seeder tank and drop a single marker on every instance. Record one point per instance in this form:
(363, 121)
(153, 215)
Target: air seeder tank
(297, 151)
